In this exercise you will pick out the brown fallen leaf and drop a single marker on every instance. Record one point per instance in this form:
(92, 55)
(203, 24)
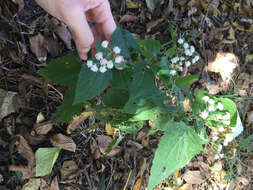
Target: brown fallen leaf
(137, 185)
(152, 24)
(33, 183)
(25, 150)
(224, 64)
(38, 46)
(45, 184)
(20, 3)
(246, 7)
(193, 177)
(128, 18)
(63, 142)
(68, 167)
(77, 120)
(53, 47)
(103, 143)
(110, 130)
(62, 31)
(42, 128)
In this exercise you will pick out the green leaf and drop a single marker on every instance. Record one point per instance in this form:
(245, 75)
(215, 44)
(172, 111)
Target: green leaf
(115, 97)
(186, 81)
(67, 110)
(121, 79)
(90, 84)
(142, 86)
(238, 128)
(125, 41)
(229, 106)
(129, 127)
(45, 160)
(176, 147)
(63, 70)
(150, 48)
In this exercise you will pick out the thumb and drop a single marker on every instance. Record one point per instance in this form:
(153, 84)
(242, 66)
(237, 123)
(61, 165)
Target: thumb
(81, 32)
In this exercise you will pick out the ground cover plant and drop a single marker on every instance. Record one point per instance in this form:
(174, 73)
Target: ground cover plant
(130, 81)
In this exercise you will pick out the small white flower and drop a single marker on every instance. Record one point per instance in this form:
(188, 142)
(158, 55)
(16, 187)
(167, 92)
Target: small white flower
(180, 68)
(219, 148)
(104, 44)
(221, 129)
(215, 138)
(204, 114)
(205, 98)
(195, 59)
(216, 157)
(227, 116)
(219, 117)
(118, 59)
(211, 108)
(227, 122)
(211, 101)
(110, 64)
(180, 40)
(180, 63)
(173, 72)
(116, 50)
(89, 63)
(103, 61)
(187, 63)
(187, 52)
(99, 55)
(228, 138)
(192, 49)
(94, 68)
(186, 45)
(221, 156)
(174, 60)
(182, 58)
(102, 69)
(220, 106)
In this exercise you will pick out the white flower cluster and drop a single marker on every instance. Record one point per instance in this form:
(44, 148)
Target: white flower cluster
(102, 64)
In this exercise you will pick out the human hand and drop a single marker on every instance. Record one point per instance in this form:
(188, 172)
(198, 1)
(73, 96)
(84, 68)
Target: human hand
(76, 14)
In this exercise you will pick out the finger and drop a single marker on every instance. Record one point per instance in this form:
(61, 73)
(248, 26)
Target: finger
(81, 32)
(102, 16)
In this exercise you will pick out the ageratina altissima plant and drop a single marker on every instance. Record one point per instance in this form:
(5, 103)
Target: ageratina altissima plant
(107, 60)
(187, 58)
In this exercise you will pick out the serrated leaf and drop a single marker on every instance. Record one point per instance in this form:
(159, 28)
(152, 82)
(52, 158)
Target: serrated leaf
(176, 147)
(186, 81)
(121, 79)
(67, 110)
(63, 70)
(125, 41)
(150, 48)
(45, 160)
(115, 97)
(90, 84)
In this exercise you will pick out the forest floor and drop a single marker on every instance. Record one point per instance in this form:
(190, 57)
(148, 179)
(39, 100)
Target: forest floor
(28, 34)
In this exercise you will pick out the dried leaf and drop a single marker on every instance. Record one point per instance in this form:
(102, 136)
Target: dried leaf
(244, 181)
(69, 167)
(38, 46)
(152, 24)
(32, 184)
(246, 7)
(193, 177)
(62, 31)
(242, 28)
(224, 63)
(63, 142)
(137, 185)
(128, 18)
(53, 47)
(7, 103)
(132, 5)
(103, 143)
(77, 120)
(109, 129)
(185, 187)
(42, 128)
(25, 150)
(40, 117)
(45, 184)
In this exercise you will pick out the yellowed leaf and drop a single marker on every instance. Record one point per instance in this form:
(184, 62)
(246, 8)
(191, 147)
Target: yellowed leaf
(176, 174)
(152, 24)
(77, 120)
(110, 130)
(132, 5)
(137, 185)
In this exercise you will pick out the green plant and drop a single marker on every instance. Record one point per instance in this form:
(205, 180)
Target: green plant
(139, 80)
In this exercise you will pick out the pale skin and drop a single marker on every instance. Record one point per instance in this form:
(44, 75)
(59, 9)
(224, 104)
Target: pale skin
(76, 14)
